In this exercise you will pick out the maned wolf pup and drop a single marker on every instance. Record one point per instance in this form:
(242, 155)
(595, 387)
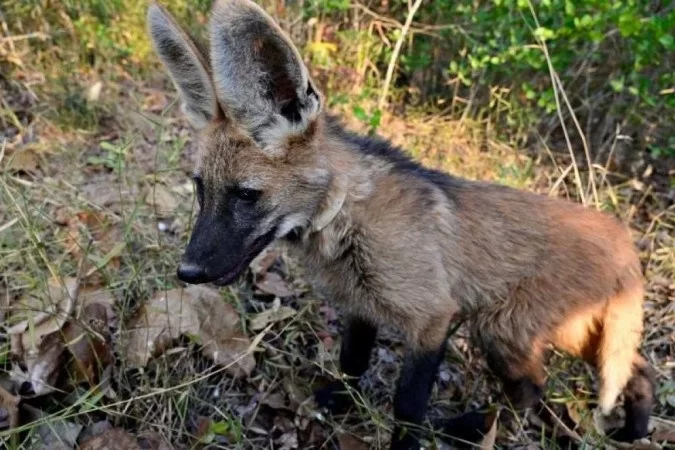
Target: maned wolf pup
(392, 242)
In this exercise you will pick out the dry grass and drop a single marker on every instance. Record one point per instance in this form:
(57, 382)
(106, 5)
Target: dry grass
(120, 155)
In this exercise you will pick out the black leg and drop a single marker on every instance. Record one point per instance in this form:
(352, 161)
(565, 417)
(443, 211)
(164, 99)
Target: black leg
(465, 430)
(521, 391)
(638, 404)
(357, 344)
(412, 396)
(521, 373)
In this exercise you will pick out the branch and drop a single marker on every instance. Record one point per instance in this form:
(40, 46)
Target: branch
(397, 49)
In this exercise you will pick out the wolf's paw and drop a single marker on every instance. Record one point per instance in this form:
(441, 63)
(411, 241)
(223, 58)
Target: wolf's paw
(335, 397)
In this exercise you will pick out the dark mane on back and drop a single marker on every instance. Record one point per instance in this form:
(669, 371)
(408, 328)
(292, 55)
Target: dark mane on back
(383, 149)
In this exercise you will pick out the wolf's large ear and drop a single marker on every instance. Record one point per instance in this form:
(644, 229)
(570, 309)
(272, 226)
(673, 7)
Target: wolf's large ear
(258, 73)
(188, 67)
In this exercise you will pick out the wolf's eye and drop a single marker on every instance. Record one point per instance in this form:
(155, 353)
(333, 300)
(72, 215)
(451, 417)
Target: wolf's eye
(247, 195)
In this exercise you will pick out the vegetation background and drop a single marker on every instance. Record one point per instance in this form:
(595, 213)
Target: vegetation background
(574, 98)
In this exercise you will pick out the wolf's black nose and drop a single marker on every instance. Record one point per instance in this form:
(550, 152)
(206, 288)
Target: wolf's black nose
(191, 273)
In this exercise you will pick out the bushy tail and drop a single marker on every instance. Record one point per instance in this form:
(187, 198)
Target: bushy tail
(621, 336)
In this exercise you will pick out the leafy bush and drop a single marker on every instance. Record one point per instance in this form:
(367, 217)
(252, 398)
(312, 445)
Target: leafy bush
(616, 60)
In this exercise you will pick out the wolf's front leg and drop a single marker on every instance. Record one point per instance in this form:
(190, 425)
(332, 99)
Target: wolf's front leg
(357, 344)
(412, 396)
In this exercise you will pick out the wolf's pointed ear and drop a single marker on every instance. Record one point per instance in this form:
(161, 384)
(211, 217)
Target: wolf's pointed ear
(188, 67)
(259, 75)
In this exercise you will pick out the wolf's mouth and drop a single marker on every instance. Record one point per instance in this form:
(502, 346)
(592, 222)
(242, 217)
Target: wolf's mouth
(257, 246)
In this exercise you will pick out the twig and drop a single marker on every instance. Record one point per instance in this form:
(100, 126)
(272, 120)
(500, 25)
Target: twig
(23, 37)
(559, 91)
(397, 49)
(415, 27)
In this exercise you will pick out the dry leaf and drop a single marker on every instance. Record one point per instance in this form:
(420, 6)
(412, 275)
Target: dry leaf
(664, 430)
(197, 311)
(161, 320)
(155, 101)
(275, 314)
(55, 433)
(38, 338)
(42, 367)
(25, 160)
(90, 346)
(106, 193)
(272, 283)
(95, 225)
(296, 395)
(349, 442)
(89, 296)
(221, 333)
(113, 439)
(43, 315)
(288, 440)
(95, 429)
(275, 400)
(162, 200)
(153, 441)
(203, 428)
(580, 414)
(92, 230)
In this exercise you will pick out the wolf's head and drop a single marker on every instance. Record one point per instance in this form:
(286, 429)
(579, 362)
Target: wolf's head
(260, 174)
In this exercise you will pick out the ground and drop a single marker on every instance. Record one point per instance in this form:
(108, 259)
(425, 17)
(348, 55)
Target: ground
(95, 196)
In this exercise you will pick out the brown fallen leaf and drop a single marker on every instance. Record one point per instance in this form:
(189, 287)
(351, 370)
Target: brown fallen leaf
(37, 338)
(94, 429)
(24, 160)
(288, 440)
(88, 343)
(39, 315)
(54, 433)
(106, 193)
(88, 296)
(162, 319)
(275, 314)
(48, 328)
(113, 439)
(197, 311)
(581, 415)
(153, 441)
(202, 428)
(155, 101)
(43, 367)
(296, 395)
(93, 233)
(349, 442)
(272, 283)
(221, 334)
(663, 430)
(275, 400)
